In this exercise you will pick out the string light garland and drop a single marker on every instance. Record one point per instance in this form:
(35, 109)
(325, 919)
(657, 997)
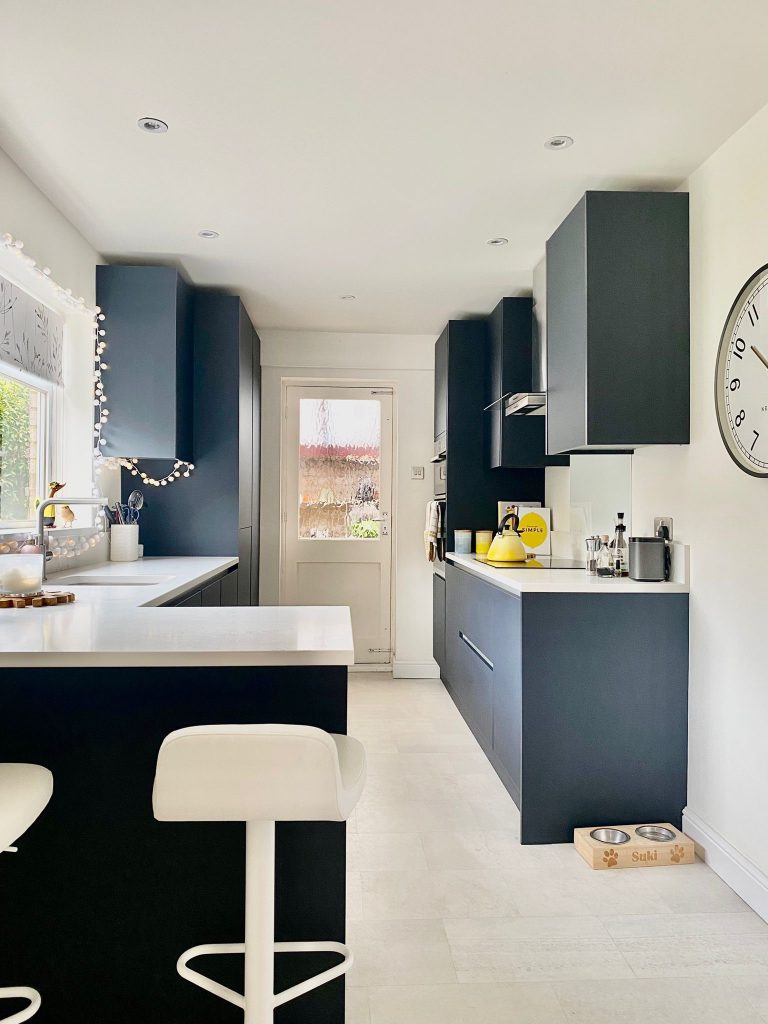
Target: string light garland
(181, 468)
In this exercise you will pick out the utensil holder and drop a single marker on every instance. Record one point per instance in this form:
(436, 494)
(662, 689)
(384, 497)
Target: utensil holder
(124, 543)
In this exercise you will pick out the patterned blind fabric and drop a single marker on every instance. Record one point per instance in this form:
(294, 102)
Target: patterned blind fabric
(31, 334)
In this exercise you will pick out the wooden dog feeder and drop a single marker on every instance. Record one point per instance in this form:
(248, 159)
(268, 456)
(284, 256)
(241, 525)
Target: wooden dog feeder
(633, 846)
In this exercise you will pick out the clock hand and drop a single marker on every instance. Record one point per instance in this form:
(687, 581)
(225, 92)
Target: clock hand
(760, 356)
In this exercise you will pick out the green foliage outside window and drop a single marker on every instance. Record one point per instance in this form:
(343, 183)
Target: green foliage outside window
(16, 442)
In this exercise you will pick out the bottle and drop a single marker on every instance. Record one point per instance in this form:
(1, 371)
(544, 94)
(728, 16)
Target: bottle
(593, 547)
(604, 558)
(620, 549)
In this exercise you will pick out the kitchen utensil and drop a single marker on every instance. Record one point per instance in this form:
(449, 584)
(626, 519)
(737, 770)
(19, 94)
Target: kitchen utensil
(648, 559)
(507, 546)
(135, 503)
(593, 546)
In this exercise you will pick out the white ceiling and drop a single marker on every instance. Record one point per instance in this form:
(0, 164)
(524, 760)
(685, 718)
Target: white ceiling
(352, 146)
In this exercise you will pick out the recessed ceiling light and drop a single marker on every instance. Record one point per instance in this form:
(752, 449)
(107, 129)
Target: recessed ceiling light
(559, 142)
(208, 233)
(347, 298)
(153, 125)
(497, 241)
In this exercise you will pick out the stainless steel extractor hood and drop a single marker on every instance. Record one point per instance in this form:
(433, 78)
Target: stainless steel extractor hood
(534, 402)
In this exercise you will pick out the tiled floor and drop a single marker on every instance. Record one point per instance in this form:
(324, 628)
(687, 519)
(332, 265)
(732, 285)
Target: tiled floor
(453, 922)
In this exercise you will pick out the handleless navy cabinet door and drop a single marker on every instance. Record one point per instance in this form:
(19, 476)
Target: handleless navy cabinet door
(148, 331)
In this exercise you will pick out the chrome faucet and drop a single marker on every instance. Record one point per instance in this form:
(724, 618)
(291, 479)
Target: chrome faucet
(45, 503)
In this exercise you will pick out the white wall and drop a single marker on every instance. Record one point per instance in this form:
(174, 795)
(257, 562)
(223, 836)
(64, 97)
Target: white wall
(722, 513)
(406, 361)
(50, 239)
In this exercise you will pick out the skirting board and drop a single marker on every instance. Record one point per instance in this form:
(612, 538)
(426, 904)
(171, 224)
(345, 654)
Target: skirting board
(744, 877)
(415, 669)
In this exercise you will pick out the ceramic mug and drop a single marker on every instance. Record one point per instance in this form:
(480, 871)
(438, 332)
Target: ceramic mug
(124, 542)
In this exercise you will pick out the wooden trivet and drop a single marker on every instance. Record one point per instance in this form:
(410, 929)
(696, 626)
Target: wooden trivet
(47, 599)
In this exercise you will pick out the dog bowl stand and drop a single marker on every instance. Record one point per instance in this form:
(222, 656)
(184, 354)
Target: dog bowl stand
(636, 852)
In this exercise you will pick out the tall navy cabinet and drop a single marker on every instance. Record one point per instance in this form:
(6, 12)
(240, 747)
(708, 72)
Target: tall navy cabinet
(216, 510)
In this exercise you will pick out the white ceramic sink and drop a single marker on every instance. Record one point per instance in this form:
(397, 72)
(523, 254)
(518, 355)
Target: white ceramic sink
(110, 581)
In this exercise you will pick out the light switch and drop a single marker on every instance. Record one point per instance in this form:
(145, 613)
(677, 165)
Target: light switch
(417, 472)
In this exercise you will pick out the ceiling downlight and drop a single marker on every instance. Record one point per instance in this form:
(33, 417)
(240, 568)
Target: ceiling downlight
(207, 233)
(559, 142)
(499, 240)
(152, 125)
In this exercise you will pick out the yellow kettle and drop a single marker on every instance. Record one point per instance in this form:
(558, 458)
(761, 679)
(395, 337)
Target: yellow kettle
(507, 547)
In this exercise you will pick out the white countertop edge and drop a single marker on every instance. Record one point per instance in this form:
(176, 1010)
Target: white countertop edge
(177, 659)
(189, 584)
(558, 581)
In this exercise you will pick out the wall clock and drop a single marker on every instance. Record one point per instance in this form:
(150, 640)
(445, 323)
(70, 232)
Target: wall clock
(741, 377)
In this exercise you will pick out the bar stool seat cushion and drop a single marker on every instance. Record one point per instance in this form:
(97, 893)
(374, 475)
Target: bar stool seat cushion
(25, 790)
(257, 773)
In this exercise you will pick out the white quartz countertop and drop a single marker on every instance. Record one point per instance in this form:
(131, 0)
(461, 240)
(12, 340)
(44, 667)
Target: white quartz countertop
(571, 581)
(119, 625)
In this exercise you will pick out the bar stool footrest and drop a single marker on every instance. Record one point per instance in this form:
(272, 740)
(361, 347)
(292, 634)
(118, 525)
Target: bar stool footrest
(21, 992)
(217, 989)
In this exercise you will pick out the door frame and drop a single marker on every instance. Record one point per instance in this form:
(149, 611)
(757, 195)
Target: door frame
(344, 382)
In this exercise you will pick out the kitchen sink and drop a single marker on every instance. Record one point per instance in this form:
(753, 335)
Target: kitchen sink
(110, 581)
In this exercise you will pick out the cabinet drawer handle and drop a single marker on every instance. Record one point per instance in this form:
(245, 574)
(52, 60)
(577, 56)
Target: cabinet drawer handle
(476, 650)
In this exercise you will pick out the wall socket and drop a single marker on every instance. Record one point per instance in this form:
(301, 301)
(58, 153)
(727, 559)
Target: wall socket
(417, 472)
(659, 521)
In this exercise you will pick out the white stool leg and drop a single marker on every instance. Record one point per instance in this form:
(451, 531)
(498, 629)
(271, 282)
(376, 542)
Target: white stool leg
(259, 922)
(22, 992)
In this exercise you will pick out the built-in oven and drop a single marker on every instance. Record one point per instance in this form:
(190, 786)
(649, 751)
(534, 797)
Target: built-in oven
(440, 471)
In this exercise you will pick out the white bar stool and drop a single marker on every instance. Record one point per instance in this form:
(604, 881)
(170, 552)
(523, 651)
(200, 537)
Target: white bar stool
(25, 790)
(259, 774)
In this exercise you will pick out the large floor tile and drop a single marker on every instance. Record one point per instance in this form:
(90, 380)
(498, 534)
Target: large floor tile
(404, 895)
(357, 1010)
(381, 851)
(672, 925)
(466, 1004)
(670, 1001)
(528, 949)
(399, 953)
(414, 815)
(687, 956)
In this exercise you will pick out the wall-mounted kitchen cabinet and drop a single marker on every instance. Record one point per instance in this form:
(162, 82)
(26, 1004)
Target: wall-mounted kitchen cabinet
(514, 442)
(618, 331)
(472, 488)
(148, 325)
(215, 511)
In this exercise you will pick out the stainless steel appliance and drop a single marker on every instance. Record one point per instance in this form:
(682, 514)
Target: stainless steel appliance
(648, 559)
(440, 477)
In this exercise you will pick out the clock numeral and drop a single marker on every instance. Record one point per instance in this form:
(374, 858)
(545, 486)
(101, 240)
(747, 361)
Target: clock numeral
(740, 417)
(753, 315)
(735, 384)
(739, 347)
(752, 446)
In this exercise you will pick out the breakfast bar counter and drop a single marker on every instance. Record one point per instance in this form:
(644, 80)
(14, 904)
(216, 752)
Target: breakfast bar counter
(102, 897)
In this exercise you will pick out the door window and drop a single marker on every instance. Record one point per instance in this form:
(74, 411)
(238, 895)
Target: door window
(339, 469)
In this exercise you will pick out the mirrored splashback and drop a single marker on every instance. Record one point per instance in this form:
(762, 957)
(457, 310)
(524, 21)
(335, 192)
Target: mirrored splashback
(585, 497)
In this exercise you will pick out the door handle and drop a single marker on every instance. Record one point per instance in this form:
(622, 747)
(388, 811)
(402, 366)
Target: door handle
(476, 650)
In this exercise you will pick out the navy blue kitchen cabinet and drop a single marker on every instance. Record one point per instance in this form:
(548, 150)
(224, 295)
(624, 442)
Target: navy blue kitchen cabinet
(441, 391)
(514, 442)
(438, 619)
(618, 323)
(214, 511)
(580, 701)
(473, 489)
(148, 331)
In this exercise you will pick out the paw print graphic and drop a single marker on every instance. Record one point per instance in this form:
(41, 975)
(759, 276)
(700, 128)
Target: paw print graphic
(611, 858)
(678, 852)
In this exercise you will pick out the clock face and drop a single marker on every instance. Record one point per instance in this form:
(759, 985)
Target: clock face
(741, 380)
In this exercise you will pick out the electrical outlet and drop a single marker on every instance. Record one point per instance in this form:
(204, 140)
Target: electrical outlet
(660, 521)
(417, 472)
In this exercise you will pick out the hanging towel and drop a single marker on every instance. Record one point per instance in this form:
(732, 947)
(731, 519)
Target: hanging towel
(441, 545)
(432, 530)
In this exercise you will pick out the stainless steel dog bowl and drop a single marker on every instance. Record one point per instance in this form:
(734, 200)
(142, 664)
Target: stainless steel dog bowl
(611, 836)
(656, 833)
